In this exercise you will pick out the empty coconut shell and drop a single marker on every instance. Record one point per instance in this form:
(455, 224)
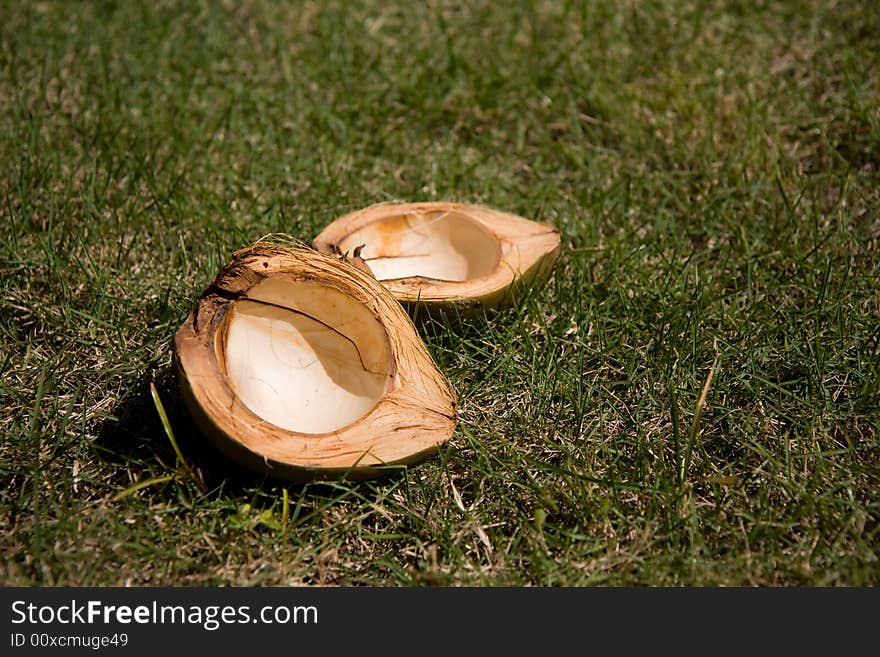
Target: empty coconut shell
(447, 256)
(299, 365)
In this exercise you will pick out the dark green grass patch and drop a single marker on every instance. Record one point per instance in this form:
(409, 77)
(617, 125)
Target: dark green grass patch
(694, 398)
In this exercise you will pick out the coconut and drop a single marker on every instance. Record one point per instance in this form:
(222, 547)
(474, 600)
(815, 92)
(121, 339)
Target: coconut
(448, 257)
(301, 366)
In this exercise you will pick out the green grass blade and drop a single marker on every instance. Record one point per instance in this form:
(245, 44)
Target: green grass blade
(154, 481)
(166, 424)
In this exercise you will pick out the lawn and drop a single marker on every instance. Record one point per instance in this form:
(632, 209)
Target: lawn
(692, 399)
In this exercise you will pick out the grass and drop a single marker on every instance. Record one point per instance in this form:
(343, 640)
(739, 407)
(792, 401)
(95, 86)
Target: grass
(693, 399)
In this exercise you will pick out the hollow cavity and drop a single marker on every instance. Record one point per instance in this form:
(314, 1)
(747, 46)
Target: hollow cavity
(448, 246)
(304, 356)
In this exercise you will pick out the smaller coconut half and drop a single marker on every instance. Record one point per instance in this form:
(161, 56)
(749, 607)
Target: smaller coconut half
(445, 256)
(299, 365)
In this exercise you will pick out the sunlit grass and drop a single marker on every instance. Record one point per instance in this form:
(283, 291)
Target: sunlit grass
(692, 399)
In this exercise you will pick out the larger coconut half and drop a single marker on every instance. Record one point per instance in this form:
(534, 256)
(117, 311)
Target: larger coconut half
(446, 256)
(299, 365)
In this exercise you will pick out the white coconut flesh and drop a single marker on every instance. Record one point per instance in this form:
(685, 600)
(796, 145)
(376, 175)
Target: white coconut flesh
(305, 356)
(443, 245)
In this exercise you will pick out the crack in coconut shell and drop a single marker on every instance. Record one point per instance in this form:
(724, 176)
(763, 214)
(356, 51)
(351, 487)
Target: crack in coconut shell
(299, 365)
(245, 297)
(445, 256)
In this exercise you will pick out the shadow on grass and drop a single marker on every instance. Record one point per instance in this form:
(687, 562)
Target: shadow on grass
(136, 440)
